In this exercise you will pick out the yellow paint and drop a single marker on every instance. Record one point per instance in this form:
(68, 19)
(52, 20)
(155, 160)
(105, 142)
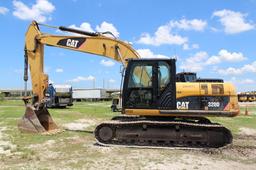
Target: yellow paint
(178, 113)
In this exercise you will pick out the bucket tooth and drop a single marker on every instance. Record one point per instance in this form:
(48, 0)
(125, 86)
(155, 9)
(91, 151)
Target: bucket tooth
(36, 121)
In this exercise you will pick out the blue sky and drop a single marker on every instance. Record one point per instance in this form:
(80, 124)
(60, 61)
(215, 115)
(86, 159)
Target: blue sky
(213, 38)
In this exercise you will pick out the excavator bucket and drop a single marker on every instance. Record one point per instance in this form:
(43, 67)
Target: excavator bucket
(36, 121)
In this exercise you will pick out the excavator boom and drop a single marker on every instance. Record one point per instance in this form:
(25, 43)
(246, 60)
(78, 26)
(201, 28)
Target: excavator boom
(37, 117)
(93, 43)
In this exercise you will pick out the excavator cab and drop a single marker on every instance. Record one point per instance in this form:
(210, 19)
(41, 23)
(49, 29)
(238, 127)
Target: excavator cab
(150, 88)
(150, 84)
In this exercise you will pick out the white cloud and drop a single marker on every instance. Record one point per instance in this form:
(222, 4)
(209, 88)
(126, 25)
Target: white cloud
(194, 24)
(188, 47)
(111, 81)
(147, 53)
(198, 57)
(81, 78)
(225, 55)
(185, 47)
(248, 68)
(195, 46)
(233, 22)
(59, 70)
(105, 26)
(51, 82)
(163, 35)
(213, 29)
(230, 71)
(107, 63)
(242, 83)
(3, 10)
(39, 11)
(195, 63)
(247, 81)
(84, 26)
(201, 60)
(213, 60)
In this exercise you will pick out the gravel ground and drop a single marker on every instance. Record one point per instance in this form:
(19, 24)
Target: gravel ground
(79, 151)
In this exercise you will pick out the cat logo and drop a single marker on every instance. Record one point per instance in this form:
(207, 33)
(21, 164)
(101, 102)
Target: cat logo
(72, 43)
(182, 105)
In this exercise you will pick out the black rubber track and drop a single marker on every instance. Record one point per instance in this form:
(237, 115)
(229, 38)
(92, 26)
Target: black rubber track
(136, 132)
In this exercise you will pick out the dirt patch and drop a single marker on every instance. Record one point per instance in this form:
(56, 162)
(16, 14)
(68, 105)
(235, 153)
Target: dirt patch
(248, 104)
(75, 126)
(44, 151)
(247, 131)
(76, 150)
(6, 146)
(77, 140)
(80, 124)
(194, 161)
(81, 152)
(46, 144)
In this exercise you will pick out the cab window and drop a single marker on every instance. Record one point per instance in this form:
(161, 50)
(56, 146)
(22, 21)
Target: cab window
(141, 76)
(163, 75)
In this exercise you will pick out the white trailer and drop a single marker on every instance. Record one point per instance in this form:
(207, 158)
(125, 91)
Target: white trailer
(90, 94)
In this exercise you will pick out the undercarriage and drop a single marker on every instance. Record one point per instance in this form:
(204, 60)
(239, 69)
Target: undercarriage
(159, 132)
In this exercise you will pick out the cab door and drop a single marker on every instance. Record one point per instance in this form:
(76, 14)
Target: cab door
(139, 90)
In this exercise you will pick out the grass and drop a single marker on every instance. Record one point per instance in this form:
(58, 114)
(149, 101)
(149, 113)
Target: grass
(84, 110)
(11, 103)
(66, 149)
(239, 121)
(13, 110)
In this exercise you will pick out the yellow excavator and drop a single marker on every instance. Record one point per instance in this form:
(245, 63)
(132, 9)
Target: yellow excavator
(247, 96)
(156, 111)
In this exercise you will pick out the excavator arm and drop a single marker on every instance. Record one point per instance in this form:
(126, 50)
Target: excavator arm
(87, 42)
(37, 118)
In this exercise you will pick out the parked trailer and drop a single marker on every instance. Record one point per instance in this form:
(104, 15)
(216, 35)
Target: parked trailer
(90, 94)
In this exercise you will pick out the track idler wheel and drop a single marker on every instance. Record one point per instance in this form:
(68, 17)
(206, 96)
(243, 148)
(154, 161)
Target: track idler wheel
(104, 134)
